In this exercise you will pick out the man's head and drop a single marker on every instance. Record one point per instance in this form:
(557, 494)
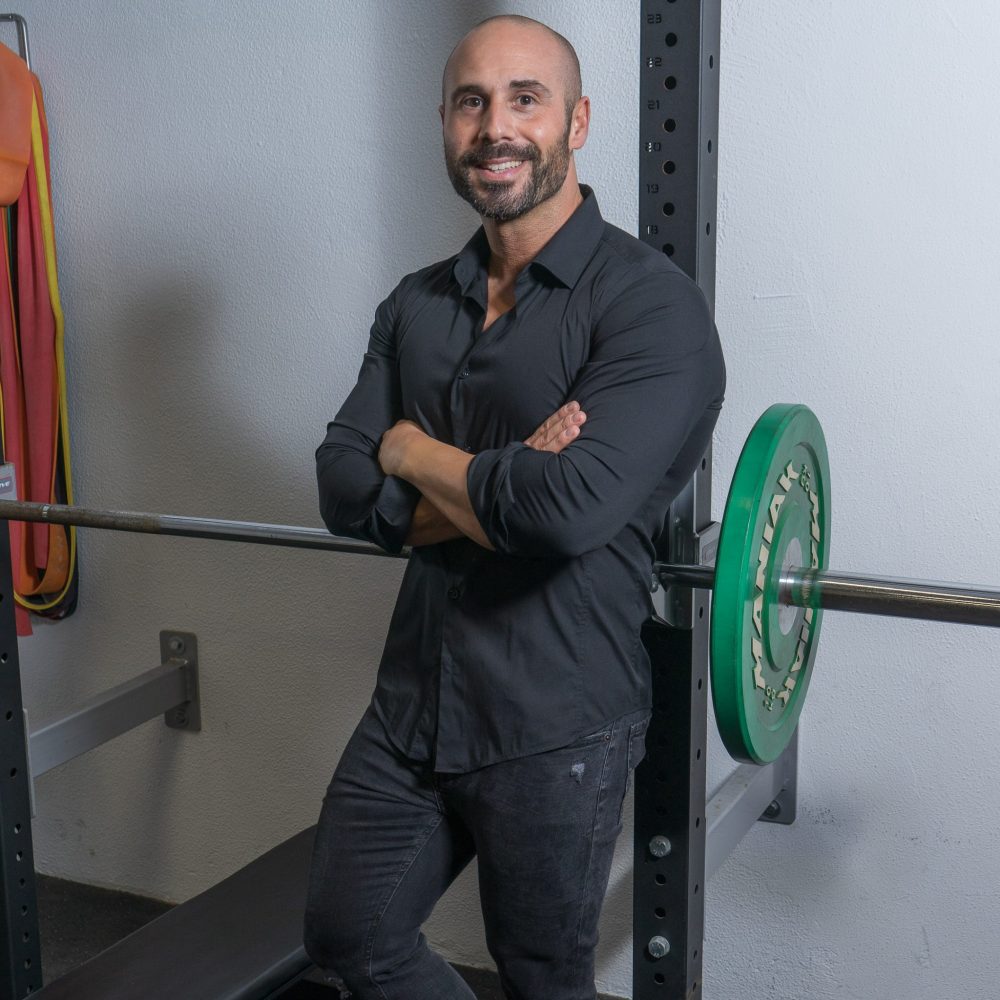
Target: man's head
(513, 114)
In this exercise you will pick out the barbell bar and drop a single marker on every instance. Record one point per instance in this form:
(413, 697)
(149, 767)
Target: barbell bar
(769, 583)
(870, 595)
(866, 595)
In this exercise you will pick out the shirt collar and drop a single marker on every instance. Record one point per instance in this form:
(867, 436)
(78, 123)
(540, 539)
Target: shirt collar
(563, 257)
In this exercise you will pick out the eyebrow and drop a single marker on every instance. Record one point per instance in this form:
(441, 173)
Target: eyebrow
(475, 88)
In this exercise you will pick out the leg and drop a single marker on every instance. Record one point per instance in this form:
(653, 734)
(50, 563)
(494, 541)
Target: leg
(545, 828)
(385, 853)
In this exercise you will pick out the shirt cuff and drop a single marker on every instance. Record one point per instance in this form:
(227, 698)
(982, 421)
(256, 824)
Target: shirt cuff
(491, 492)
(389, 522)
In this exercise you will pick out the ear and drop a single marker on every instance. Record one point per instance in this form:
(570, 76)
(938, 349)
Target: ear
(579, 123)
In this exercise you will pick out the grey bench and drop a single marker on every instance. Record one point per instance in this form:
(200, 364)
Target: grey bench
(239, 940)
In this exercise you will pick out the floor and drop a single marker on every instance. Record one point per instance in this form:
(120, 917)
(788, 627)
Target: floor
(77, 921)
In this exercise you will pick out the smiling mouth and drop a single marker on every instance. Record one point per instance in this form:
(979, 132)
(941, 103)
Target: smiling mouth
(503, 169)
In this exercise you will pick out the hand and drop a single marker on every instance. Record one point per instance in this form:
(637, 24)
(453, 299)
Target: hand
(559, 430)
(395, 441)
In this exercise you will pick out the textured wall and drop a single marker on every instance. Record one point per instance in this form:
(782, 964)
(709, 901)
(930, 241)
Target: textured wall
(237, 185)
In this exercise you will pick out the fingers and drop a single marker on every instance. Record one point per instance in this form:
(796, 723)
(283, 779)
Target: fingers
(559, 430)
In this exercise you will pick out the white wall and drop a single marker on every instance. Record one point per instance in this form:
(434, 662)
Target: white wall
(238, 184)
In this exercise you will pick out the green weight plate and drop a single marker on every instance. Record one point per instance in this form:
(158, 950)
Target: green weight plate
(777, 517)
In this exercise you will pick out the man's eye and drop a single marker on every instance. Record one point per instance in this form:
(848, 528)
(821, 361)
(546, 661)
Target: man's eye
(525, 100)
(472, 102)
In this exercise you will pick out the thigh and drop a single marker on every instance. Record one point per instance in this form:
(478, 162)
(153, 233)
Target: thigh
(384, 854)
(545, 828)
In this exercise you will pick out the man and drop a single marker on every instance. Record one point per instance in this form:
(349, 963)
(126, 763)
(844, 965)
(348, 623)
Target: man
(513, 695)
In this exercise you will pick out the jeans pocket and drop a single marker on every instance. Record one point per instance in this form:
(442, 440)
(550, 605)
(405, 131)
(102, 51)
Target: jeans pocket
(636, 752)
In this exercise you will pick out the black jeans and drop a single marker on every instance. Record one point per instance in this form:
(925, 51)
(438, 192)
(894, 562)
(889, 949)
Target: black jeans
(393, 835)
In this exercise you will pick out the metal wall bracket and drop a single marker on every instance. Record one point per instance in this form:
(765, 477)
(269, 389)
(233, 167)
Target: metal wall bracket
(182, 648)
(171, 690)
(749, 795)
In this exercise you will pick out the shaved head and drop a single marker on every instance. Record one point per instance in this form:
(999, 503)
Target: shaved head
(569, 63)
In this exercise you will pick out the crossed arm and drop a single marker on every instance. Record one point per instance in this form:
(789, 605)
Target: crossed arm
(439, 471)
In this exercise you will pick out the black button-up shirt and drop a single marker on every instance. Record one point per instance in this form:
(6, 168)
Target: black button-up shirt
(494, 655)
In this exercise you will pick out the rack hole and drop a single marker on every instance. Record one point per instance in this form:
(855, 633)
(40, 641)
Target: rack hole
(17, 828)
(669, 166)
(13, 772)
(697, 756)
(668, 208)
(661, 879)
(696, 888)
(697, 819)
(27, 963)
(670, 83)
(708, 228)
(700, 681)
(660, 913)
(695, 955)
(10, 715)
(671, 39)
(3, 657)
(668, 249)
(658, 978)
(701, 614)
(669, 125)
(711, 62)
(19, 856)
(710, 145)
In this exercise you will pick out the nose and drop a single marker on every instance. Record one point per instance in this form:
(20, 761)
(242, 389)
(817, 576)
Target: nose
(496, 123)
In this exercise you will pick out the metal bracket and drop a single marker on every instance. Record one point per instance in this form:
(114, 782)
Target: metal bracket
(182, 648)
(751, 794)
(674, 604)
(171, 690)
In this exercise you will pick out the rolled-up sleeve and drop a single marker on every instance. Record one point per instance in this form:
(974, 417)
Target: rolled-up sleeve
(356, 498)
(655, 366)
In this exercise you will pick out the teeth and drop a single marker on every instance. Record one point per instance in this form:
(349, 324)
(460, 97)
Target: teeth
(509, 165)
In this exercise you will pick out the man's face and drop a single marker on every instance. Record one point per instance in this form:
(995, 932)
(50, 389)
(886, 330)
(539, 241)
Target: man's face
(508, 133)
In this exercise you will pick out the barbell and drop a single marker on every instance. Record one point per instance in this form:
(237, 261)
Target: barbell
(770, 583)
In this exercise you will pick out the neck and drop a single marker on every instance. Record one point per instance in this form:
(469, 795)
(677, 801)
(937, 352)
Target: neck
(514, 244)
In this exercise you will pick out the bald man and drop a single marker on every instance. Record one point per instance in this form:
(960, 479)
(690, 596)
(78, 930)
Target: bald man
(525, 412)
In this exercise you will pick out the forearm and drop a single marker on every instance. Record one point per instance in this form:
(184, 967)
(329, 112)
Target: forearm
(439, 471)
(429, 526)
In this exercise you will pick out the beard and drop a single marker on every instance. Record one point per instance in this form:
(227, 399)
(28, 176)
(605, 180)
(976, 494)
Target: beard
(503, 201)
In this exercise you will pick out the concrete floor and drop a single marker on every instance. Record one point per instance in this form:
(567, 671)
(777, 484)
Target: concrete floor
(78, 921)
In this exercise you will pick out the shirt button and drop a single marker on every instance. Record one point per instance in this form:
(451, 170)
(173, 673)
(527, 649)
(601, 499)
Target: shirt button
(453, 593)
(464, 373)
